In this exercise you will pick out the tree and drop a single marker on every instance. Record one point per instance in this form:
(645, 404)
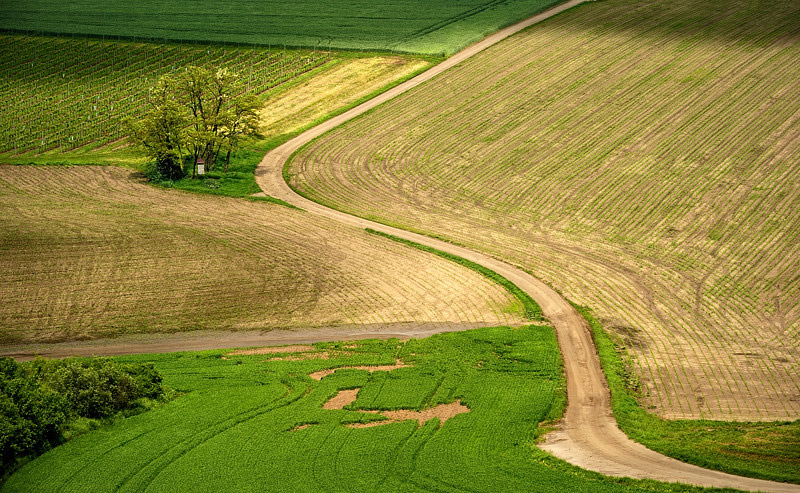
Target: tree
(240, 120)
(200, 112)
(161, 133)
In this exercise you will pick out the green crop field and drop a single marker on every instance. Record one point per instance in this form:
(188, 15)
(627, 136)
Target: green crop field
(416, 26)
(643, 158)
(63, 94)
(257, 422)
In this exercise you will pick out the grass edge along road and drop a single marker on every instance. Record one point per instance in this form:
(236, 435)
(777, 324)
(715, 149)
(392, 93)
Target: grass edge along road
(763, 450)
(532, 310)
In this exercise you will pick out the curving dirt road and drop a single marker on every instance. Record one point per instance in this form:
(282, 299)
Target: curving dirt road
(588, 436)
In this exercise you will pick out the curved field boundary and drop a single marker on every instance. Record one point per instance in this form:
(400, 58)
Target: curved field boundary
(589, 436)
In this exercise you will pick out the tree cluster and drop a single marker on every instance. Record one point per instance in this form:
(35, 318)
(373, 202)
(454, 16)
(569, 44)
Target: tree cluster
(39, 399)
(194, 114)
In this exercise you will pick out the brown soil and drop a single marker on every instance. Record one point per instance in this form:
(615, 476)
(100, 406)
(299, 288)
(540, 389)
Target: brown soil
(273, 350)
(92, 252)
(303, 357)
(319, 375)
(343, 398)
(443, 412)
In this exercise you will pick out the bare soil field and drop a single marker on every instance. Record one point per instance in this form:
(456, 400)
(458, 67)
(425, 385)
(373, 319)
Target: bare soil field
(642, 158)
(90, 252)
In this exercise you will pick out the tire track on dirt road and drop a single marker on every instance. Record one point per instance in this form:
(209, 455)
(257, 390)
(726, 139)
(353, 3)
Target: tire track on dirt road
(588, 435)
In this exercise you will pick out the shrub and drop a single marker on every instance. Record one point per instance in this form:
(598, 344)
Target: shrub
(39, 399)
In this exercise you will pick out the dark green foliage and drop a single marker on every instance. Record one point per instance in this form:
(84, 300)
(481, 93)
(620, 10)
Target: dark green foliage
(31, 417)
(761, 450)
(165, 167)
(532, 309)
(198, 113)
(39, 399)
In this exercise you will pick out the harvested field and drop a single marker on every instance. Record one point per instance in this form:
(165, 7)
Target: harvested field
(641, 157)
(88, 252)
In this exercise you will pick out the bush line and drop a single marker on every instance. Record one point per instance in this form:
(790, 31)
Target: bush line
(532, 310)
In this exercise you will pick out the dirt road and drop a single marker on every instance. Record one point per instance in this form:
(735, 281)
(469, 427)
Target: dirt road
(203, 340)
(589, 436)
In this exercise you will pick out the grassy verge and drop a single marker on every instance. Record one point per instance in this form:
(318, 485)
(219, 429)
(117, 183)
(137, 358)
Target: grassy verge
(766, 450)
(532, 310)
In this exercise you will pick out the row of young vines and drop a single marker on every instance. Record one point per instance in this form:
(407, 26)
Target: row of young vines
(62, 94)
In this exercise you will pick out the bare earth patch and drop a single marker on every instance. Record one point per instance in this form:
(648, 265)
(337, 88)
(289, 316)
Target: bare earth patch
(312, 355)
(319, 375)
(343, 398)
(273, 350)
(443, 412)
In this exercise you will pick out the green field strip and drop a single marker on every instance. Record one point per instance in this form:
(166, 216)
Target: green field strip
(509, 378)
(415, 26)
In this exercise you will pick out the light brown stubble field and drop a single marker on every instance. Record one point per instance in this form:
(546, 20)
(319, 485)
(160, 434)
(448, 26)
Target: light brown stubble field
(642, 158)
(89, 252)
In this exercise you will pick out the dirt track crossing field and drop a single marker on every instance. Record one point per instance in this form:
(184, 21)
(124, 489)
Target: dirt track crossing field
(641, 157)
(589, 436)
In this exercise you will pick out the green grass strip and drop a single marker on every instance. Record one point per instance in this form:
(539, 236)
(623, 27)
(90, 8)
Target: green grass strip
(273, 200)
(532, 310)
(764, 450)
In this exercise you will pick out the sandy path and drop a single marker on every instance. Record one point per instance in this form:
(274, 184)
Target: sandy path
(589, 436)
(204, 340)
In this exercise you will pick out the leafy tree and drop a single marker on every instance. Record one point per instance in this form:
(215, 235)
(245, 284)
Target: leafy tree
(161, 133)
(199, 112)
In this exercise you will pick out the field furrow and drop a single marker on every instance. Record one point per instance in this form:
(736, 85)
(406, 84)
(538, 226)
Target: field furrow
(642, 158)
(90, 252)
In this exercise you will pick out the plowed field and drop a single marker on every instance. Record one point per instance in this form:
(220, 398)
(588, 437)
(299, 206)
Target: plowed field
(88, 251)
(642, 157)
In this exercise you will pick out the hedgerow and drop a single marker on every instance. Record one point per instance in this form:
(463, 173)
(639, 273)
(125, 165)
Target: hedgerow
(41, 398)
